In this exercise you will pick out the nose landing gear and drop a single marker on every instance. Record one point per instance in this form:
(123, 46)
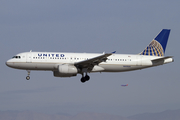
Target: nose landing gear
(28, 77)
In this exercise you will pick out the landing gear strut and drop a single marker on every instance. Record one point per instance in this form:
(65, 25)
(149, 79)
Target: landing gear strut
(28, 77)
(86, 78)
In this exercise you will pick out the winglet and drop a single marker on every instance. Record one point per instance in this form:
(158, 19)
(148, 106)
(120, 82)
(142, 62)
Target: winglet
(113, 52)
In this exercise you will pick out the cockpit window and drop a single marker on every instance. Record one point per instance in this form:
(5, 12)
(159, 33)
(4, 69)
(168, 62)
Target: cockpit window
(17, 57)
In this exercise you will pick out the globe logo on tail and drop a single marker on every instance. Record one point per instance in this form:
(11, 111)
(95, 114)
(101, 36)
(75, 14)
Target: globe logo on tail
(153, 49)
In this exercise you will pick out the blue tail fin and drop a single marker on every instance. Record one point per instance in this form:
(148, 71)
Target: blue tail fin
(157, 46)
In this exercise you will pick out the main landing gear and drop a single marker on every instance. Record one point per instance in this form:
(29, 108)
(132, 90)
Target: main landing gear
(28, 77)
(84, 79)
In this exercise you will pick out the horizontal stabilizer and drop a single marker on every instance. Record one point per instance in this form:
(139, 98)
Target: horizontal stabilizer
(160, 59)
(163, 60)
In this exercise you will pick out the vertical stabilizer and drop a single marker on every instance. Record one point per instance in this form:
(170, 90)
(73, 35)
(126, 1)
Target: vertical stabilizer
(157, 46)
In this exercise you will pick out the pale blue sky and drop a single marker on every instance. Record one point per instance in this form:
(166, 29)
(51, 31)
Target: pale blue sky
(89, 26)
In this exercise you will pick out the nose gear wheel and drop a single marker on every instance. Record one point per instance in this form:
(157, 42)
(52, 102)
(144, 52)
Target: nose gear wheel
(28, 77)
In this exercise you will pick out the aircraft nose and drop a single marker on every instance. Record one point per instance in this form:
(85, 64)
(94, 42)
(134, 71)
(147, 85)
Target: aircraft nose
(8, 63)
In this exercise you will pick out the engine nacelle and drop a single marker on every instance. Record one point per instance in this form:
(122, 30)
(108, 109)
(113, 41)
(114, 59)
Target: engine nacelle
(66, 71)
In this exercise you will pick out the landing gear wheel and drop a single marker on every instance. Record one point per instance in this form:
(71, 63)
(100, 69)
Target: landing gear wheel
(87, 77)
(27, 78)
(83, 79)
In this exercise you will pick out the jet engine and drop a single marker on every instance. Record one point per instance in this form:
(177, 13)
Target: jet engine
(66, 70)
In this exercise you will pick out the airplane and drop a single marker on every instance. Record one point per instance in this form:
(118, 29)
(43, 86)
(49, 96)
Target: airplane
(124, 85)
(64, 64)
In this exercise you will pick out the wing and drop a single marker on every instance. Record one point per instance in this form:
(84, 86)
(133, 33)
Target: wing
(90, 63)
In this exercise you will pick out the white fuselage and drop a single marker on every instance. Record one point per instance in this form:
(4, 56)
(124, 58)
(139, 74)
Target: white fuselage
(51, 60)
(70, 64)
